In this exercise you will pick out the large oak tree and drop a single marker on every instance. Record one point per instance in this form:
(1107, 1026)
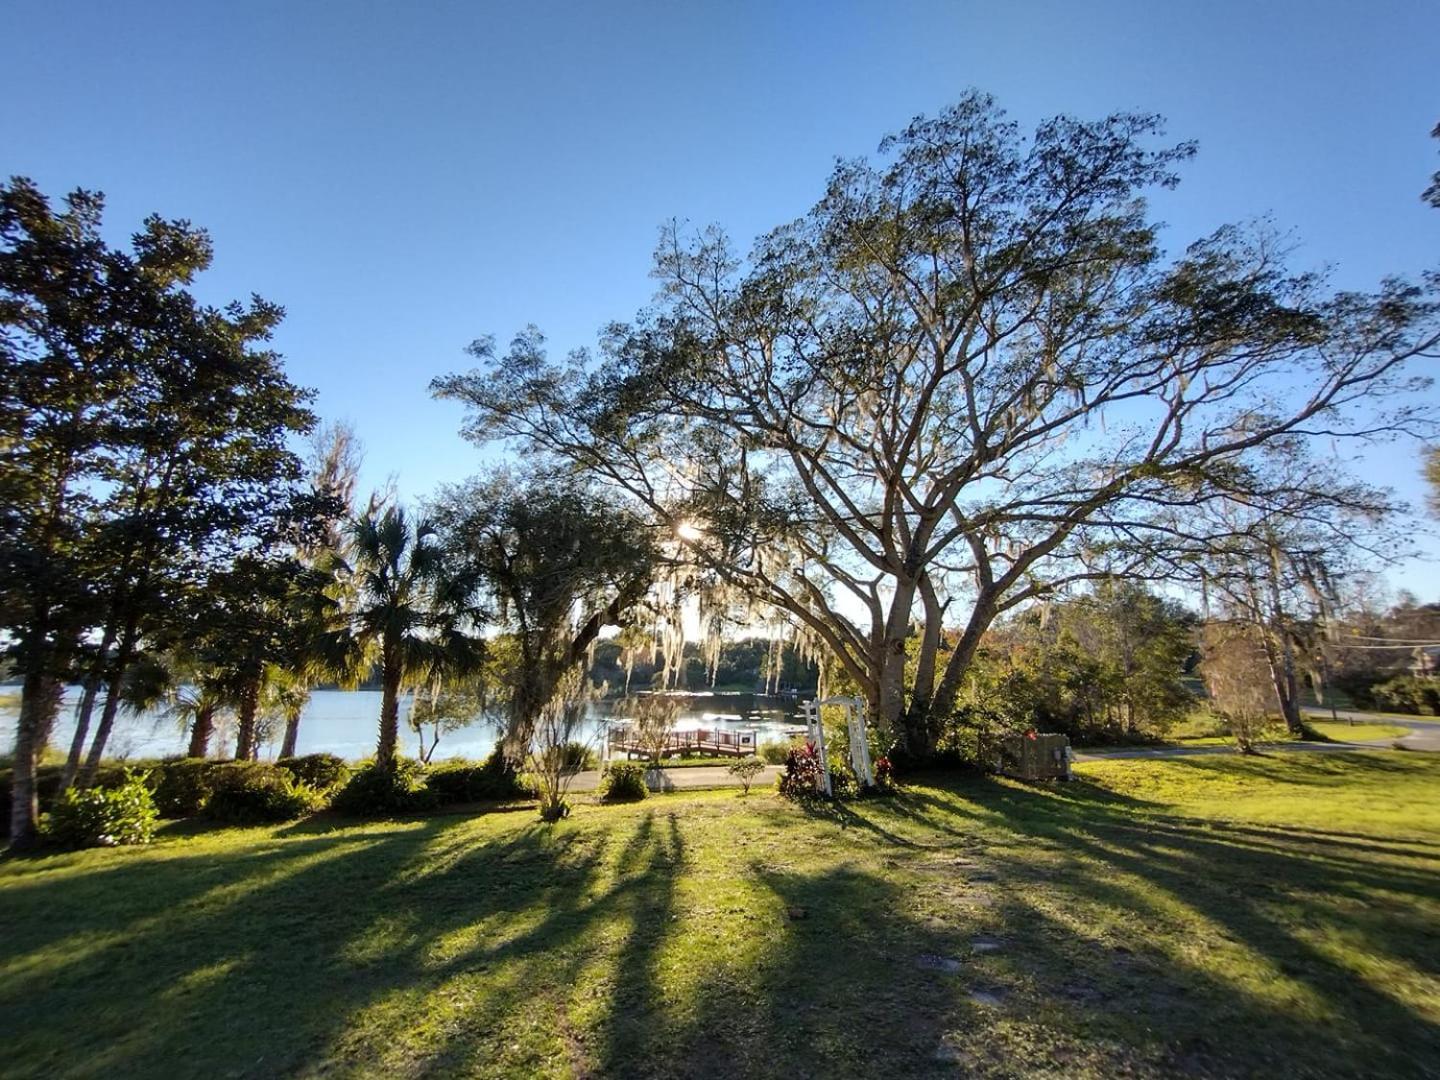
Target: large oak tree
(966, 380)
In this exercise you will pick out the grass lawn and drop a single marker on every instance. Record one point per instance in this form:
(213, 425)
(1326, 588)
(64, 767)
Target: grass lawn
(1203, 728)
(1267, 917)
(1361, 732)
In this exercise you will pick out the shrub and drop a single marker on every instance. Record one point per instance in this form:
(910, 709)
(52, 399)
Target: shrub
(802, 776)
(1408, 694)
(251, 792)
(320, 772)
(747, 769)
(579, 757)
(884, 774)
(774, 753)
(373, 791)
(624, 781)
(181, 788)
(463, 781)
(103, 817)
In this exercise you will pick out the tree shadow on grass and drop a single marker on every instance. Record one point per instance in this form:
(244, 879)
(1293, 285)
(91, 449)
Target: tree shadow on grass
(1327, 948)
(752, 939)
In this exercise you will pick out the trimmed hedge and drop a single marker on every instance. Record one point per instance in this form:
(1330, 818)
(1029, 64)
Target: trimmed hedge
(183, 787)
(47, 784)
(453, 782)
(322, 772)
(372, 791)
(252, 792)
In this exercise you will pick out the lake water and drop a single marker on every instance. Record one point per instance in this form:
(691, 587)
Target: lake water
(346, 722)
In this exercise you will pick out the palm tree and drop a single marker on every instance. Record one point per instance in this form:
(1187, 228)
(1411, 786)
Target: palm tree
(400, 610)
(283, 697)
(196, 706)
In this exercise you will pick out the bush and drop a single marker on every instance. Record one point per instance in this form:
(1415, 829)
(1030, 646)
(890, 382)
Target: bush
(774, 753)
(373, 791)
(320, 772)
(884, 774)
(747, 769)
(1408, 694)
(802, 776)
(251, 792)
(181, 788)
(103, 817)
(580, 757)
(624, 781)
(463, 781)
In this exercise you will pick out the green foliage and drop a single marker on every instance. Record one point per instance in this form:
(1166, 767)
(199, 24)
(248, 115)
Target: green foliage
(253, 792)
(802, 776)
(103, 817)
(1106, 667)
(375, 790)
(1408, 694)
(407, 606)
(461, 781)
(555, 561)
(624, 781)
(183, 787)
(746, 769)
(320, 772)
(774, 752)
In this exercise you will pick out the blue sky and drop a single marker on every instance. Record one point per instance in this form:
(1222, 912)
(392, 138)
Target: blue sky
(404, 177)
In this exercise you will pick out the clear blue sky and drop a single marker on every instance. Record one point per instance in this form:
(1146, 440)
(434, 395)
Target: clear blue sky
(404, 177)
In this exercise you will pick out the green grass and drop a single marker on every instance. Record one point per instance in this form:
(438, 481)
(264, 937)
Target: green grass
(1220, 916)
(1341, 731)
(1203, 728)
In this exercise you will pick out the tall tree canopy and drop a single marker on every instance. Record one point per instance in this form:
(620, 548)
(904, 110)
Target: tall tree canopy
(144, 442)
(966, 380)
(555, 563)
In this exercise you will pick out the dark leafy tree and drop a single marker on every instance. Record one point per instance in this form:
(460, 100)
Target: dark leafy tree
(144, 439)
(556, 563)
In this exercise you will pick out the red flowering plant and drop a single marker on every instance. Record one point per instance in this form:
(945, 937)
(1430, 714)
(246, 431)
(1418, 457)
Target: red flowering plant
(802, 776)
(884, 774)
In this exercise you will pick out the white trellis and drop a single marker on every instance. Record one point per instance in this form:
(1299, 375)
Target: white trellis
(855, 725)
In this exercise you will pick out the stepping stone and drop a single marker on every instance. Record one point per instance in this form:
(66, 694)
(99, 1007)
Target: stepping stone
(993, 999)
(985, 945)
(934, 962)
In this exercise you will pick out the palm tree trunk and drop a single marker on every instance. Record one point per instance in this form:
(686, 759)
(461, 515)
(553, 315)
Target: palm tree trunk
(245, 748)
(82, 730)
(292, 733)
(389, 715)
(200, 732)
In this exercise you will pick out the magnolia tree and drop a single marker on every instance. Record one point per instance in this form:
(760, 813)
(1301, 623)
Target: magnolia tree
(968, 379)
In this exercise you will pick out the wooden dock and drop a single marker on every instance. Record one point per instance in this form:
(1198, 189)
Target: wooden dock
(698, 742)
